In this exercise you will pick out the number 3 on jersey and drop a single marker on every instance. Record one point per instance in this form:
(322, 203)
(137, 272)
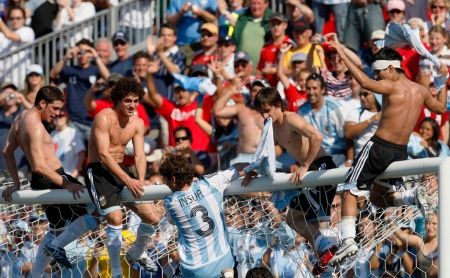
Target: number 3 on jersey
(205, 218)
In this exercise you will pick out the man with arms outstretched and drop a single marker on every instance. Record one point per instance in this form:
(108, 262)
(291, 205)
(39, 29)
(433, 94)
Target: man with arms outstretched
(402, 104)
(28, 133)
(111, 130)
(303, 142)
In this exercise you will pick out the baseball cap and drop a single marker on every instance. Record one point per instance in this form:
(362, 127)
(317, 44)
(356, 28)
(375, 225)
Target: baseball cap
(241, 56)
(210, 27)
(298, 57)
(377, 35)
(395, 5)
(278, 16)
(120, 36)
(301, 26)
(35, 68)
(260, 82)
(225, 39)
(198, 68)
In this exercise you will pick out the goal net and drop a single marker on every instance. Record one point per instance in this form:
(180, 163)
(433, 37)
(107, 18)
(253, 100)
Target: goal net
(258, 233)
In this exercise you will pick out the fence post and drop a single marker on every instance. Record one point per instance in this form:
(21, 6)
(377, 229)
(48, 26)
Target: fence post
(444, 223)
(113, 21)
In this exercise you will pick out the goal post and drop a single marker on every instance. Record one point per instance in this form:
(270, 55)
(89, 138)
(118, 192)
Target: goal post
(444, 223)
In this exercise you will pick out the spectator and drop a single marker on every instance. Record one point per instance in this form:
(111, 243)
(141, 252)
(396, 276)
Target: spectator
(363, 18)
(252, 29)
(43, 17)
(439, 14)
(297, 11)
(69, 145)
(208, 42)
(172, 60)
(227, 49)
(426, 143)
(103, 47)
(33, 82)
(141, 62)
(178, 113)
(267, 66)
(124, 63)
(322, 10)
(438, 42)
(258, 272)
(396, 11)
(325, 114)
(187, 17)
(229, 14)
(183, 146)
(78, 80)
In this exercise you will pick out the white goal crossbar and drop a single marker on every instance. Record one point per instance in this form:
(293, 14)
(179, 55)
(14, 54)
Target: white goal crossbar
(281, 182)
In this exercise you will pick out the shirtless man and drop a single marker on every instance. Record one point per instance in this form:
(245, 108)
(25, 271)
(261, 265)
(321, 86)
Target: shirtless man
(28, 133)
(250, 122)
(111, 130)
(402, 103)
(304, 143)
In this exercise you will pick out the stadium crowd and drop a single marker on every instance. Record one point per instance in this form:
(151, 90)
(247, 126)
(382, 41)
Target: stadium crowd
(201, 72)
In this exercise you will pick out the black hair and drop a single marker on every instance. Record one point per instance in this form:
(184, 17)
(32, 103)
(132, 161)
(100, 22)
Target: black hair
(85, 41)
(168, 26)
(48, 94)
(185, 129)
(268, 96)
(125, 87)
(17, 8)
(141, 54)
(259, 272)
(316, 77)
(435, 137)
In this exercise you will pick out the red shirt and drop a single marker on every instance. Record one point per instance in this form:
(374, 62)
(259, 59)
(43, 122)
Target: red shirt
(269, 55)
(102, 104)
(425, 113)
(295, 98)
(184, 116)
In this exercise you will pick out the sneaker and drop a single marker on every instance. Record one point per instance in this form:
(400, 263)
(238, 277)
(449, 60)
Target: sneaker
(325, 258)
(348, 248)
(424, 202)
(59, 254)
(143, 261)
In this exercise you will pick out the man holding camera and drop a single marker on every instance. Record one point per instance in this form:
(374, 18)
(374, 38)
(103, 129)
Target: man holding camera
(78, 80)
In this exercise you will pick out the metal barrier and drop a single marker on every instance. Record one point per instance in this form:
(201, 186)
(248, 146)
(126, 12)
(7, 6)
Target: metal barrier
(136, 17)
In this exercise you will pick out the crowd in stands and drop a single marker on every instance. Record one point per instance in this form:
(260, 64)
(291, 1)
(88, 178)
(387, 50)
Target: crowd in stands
(241, 47)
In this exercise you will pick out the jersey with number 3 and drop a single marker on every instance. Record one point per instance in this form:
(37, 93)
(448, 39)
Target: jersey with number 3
(199, 216)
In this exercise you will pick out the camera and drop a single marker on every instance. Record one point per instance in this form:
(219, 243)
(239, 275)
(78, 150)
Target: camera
(11, 96)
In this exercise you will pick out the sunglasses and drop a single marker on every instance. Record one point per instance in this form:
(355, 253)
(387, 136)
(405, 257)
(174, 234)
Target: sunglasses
(183, 138)
(438, 7)
(226, 44)
(240, 64)
(116, 43)
(206, 34)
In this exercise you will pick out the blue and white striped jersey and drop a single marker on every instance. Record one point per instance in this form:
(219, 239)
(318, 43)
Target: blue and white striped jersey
(329, 121)
(199, 217)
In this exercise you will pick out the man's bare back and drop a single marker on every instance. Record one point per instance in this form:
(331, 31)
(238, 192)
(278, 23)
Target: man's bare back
(119, 134)
(250, 125)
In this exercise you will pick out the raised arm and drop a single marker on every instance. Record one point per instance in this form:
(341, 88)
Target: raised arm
(176, 16)
(304, 9)
(221, 109)
(438, 105)
(280, 69)
(104, 72)
(382, 86)
(409, 239)
(139, 153)
(56, 70)
(153, 98)
(9, 34)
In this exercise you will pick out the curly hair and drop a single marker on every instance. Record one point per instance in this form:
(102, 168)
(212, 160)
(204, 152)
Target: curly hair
(125, 87)
(178, 167)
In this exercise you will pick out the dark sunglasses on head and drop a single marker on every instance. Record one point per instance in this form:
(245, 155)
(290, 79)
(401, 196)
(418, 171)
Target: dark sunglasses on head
(183, 138)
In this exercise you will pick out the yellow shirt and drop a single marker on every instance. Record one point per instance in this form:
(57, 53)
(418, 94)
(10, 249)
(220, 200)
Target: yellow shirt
(305, 50)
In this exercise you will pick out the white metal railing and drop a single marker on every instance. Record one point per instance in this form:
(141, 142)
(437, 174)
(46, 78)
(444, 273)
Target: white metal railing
(280, 182)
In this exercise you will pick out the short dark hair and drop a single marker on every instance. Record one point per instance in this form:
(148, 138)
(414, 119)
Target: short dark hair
(186, 129)
(125, 87)
(85, 41)
(387, 53)
(141, 54)
(17, 8)
(259, 272)
(168, 26)
(48, 94)
(179, 167)
(268, 96)
(317, 77)
(436, 132)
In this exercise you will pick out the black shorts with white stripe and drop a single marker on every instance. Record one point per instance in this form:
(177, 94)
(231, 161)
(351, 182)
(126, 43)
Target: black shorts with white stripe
(376, 155)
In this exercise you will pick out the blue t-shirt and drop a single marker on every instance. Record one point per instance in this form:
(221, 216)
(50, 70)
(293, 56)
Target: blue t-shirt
(189, 24)
(78, 81)
(123, 67)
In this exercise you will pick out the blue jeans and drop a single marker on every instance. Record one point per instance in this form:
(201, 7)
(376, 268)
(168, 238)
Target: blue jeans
(361, 22)
(322, 13)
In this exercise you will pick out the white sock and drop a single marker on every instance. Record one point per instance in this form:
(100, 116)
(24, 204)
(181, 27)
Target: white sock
(347, 226)
(404, 198)
(113, 244)
(42, 260)
(322, 243)
(75, 230)
(143, 239)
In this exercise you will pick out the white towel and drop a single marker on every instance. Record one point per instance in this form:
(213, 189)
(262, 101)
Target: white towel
(264, 160)
(401, 34)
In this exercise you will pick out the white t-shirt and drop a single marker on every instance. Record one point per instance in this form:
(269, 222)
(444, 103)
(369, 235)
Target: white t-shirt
(357, 117)
(68, 144)
(26, 35)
